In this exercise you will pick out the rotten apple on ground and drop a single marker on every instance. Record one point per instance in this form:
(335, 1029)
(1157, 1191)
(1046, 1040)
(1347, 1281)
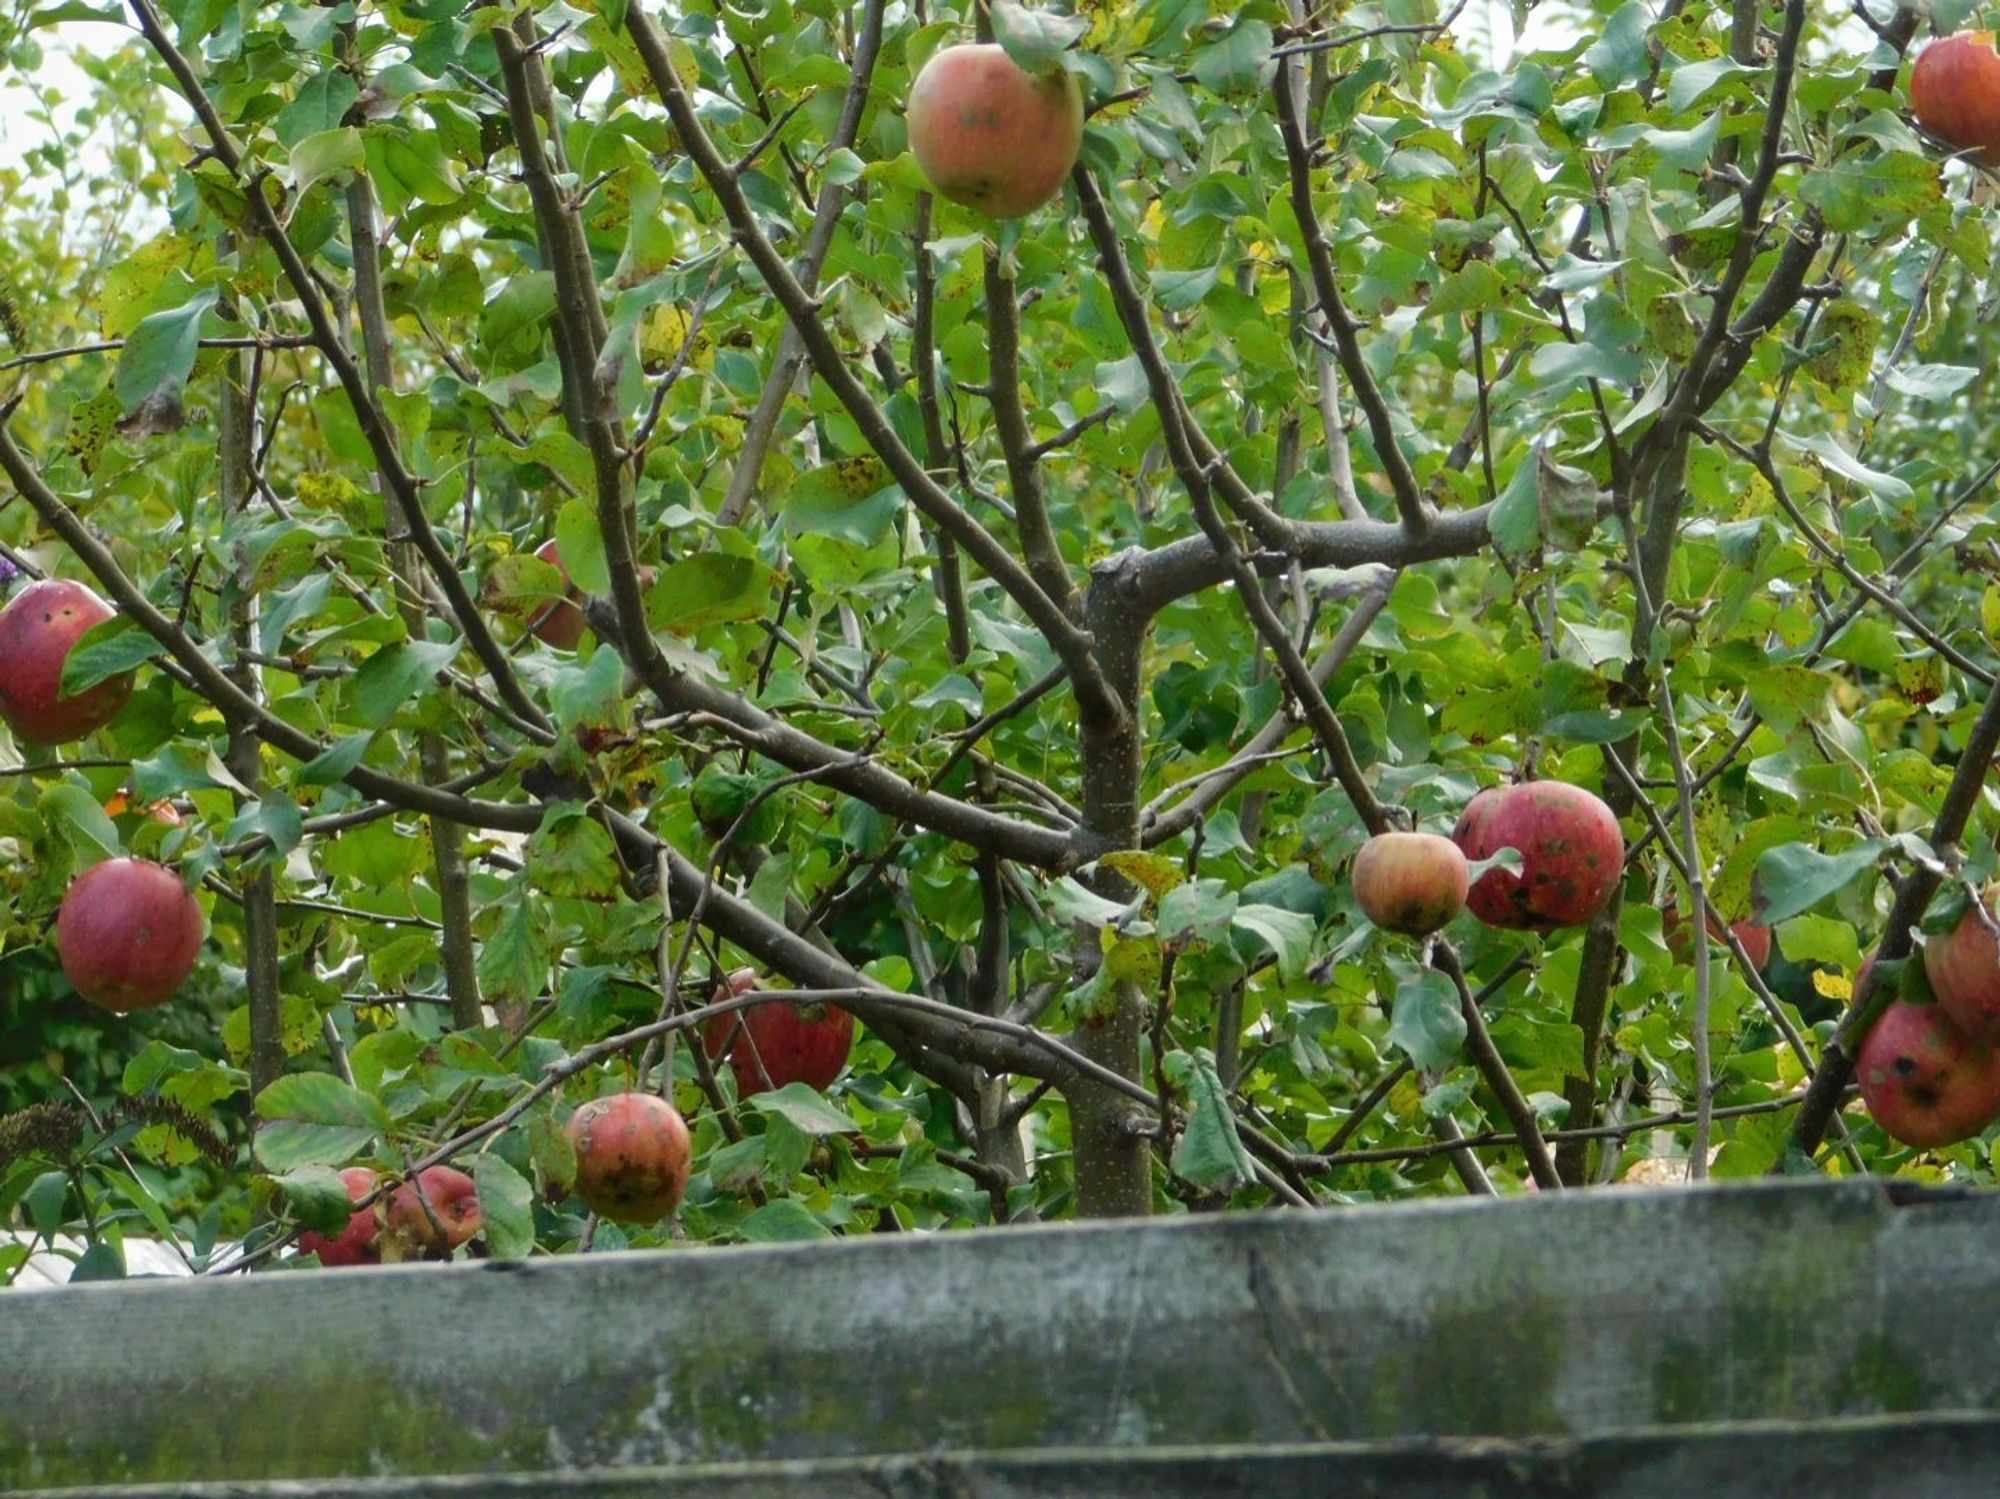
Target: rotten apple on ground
(1963, 966)
(128, 934)
(771, 1045)
(1572, 854)
(431, 1216)
(1410, 882)
(36, 632)
(990, 135)
(1955, 93)
(1924, 1080)
(357, 1244)
(633, 1155)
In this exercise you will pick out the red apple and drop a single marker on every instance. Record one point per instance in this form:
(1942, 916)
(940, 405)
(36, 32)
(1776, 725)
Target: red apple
(1924, 1080)
(990, 135)
(561, 624)
(356, 1244)
(1963, 966)
(1955, 92)
(129, 933)
(1572, 854)
(1410, 882)
(1756, 939)
(632, 1156)
(432, 1225)
(36, 633)
(775, 1044)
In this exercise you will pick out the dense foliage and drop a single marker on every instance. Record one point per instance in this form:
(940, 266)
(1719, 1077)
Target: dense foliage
(1011, 630)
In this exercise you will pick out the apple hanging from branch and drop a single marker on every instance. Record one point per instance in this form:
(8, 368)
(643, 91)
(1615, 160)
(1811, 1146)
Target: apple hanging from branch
(37, 631)
(128, 934)
(990, 135)
(633, 1155)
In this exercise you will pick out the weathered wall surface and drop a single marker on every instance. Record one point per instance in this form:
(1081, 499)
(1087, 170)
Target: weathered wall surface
(1602, 1344)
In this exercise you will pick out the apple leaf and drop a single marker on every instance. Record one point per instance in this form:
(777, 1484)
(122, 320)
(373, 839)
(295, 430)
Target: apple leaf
(1210, 1153)
(852, 500)
(317, 1197)
(1427, 1022)
(107, 649)
(514, 962)
(1197, 913)
(805, 1109)
(1794, 877)
(393, 675)
(1241, 62)
(153, 369)
(321, 1098)
(84, 824)
(507, 1203)
(581, 546)
(708, 588)
(287, 1144)
(1287, 934)
(786, 1221)
(1035, 39)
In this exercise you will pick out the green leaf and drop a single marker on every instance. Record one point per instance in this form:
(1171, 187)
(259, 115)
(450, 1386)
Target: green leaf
(709, 588)
(334, 763)
(393, 676)
(1787, 694)
(106, 650)
(805, 1108)
(327, 154)
(514, 961)
(317, 1197)
(1427, 1022)
(1794, 877)
(1287, 934)
(154, 366)
(507, 1204)
(786, 1221)
(287, 1144)
(1241, 62)
(1035, 39)
(321, 1098)
(1196, 913)
(72, 811)
(852, 500)
(581, 546)
(1210, 1153)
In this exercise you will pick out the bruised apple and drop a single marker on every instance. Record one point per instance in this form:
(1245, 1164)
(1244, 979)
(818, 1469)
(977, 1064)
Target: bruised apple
(357, 1244)
(1955, 92)
(36, 632)
(632, 1156)
(1924, 1080)
(989, 134)
(771, 1045)
(128, 934)
(1572, 854)
(1963, 966)
(1410, 882)
(431, 1216)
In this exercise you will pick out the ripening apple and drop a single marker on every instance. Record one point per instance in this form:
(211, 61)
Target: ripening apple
(128, 934)
(1924, 1080)
(453, 1217)
(1572, 854)
(1963, 966)
(36, 632)
(357, 1244)
(633, 1155)
(1755, 937)
(1955, 92)
(989, 134)
(771, 1045)
(1410, 882)
(561, 623)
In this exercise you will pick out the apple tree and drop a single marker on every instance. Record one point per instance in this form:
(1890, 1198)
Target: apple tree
(589, 510)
